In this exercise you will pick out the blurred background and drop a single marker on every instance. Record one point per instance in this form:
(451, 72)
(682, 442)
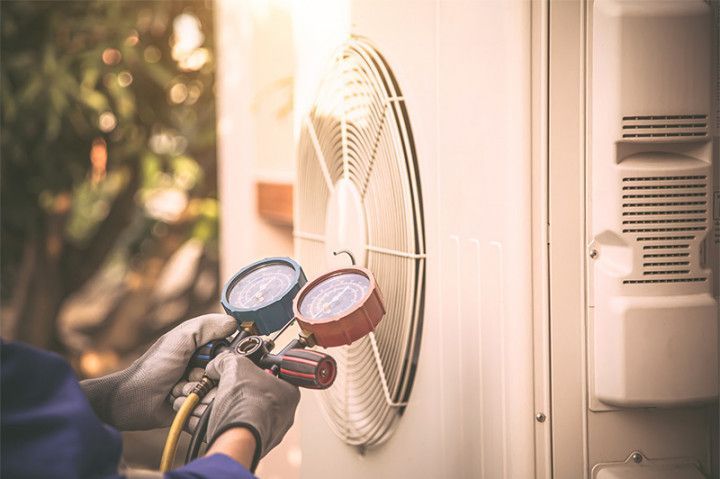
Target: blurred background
(109, 189)
(123, 123)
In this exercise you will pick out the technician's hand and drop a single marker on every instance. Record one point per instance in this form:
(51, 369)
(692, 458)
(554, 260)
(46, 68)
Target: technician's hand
(182, 389)
(249, 397)
(136, 398)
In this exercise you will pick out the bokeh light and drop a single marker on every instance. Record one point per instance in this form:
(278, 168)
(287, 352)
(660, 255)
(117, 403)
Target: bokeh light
(196, 60)
(152, 54)
(111, 56)
(194, 91)
(165, 204)
(187, 41)
(133, 39)
(98, 160)
(96, 363)
(107, 122)
(124, 79)
(178, 93)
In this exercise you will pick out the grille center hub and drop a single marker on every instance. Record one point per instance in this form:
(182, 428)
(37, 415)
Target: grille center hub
(345, 226)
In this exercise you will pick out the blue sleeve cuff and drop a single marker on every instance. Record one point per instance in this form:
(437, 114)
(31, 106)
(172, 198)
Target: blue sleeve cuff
(217, 466)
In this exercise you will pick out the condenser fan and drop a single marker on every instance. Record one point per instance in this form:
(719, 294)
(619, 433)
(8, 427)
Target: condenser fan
(358, 190)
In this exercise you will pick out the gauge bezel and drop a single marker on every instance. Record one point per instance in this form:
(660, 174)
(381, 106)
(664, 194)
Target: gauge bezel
(272, 316)
(352, 324)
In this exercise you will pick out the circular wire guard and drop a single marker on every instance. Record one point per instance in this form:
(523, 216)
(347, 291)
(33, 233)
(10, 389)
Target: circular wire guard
(358, 130)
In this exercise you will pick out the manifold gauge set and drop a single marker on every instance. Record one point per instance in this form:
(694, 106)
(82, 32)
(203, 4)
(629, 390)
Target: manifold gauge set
(265, 298)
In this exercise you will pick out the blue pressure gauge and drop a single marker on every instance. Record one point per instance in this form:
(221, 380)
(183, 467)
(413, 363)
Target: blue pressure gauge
(263, 293)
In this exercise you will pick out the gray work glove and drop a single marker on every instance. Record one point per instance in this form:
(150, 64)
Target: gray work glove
(250, 397)
(136, 398)
(182, 389)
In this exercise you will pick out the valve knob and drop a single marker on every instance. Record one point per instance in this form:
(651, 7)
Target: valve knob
(205, 353)
(308, 369)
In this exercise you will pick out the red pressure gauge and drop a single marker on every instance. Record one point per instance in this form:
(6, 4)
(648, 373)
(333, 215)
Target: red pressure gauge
(340, 307)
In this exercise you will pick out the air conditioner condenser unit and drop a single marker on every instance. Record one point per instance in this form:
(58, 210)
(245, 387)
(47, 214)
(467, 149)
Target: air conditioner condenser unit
(535, 186)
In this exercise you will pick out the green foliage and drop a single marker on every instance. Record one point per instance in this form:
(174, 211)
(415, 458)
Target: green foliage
(91, 205)
(78, 73)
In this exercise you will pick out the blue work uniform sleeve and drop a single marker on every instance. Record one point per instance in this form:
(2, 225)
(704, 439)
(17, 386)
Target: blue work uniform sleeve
(48, 428)
(217, 466)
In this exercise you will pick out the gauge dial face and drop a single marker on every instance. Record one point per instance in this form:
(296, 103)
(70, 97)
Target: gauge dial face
(262, 286)
(334, 296)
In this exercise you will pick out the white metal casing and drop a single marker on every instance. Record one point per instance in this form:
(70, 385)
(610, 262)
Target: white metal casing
(463, 68)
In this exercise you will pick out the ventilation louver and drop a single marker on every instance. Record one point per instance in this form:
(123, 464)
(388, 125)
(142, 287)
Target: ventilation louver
(645, 127)
(357, 140)
(666, 214)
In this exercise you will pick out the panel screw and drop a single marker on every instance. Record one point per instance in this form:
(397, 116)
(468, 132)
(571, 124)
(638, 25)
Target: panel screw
(594, 254)
(636, 457)
(540, 417)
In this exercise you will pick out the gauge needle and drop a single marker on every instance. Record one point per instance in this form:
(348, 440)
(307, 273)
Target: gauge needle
(338, 296)
(265, 285)
(259, 295)
(326, 306)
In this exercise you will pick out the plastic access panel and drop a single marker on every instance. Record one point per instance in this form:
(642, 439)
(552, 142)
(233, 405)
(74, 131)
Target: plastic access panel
(652, 256)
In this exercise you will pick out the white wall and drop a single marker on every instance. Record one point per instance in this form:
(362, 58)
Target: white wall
(255, 142)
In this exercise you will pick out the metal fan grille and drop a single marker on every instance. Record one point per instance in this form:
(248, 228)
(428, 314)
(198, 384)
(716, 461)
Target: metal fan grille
(358, 130)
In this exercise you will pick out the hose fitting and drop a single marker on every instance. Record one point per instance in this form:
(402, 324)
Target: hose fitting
(204, 386)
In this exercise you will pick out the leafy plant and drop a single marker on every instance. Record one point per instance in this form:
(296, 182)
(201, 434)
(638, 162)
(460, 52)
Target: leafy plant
(107, 132)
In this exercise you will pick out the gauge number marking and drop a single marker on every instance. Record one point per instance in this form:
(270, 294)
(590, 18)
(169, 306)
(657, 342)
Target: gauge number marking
(334, 296)
(262, 286)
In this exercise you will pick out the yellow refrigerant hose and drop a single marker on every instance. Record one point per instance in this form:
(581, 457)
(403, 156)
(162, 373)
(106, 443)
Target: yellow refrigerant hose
(181, 417)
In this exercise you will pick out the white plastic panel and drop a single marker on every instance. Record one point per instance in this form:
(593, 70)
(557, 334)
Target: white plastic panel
(664, 354)
(678, 471)
(655, 318)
